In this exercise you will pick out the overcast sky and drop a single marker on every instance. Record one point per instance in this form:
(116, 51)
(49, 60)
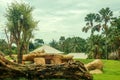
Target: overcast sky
(60, 17)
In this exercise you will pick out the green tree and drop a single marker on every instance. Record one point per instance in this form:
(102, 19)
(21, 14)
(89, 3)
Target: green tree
(38, 42)
(54, 44)
(106, 15)
(92, 22)
(61, 43)
(77, 44)
(3, 46)
(31, 46)
(101, 21)
(90, 18)
(114, 36)
(20, 24)
(74, 44)
(95, 46)
(67, 48)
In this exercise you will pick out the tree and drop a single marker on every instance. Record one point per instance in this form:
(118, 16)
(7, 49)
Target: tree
(106, 15)
(74, 44)
(77, 44)
(114, 36)
(54, 44)
(101, 21)
(93, 22)
(95, 46)
(20, 25)
(31, 46)
(89, 19)
(38, 42)
(61, 42)
(3, 46)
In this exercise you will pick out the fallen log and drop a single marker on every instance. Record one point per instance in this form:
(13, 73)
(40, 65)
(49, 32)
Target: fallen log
(71, 71)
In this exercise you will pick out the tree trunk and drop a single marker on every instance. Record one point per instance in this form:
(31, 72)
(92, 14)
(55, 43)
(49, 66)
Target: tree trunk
(27, 48)
(19, 51)
(71, 71)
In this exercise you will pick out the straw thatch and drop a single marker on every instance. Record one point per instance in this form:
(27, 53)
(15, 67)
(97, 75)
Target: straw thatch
(48, 49)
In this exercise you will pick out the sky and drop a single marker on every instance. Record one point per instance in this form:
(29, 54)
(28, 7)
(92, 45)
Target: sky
(60, 17)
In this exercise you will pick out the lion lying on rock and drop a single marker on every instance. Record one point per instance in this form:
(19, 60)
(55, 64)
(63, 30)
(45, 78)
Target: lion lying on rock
(95, 67)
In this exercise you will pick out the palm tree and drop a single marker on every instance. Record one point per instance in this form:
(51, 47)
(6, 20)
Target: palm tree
(114, 35)
(89, 19)
(106, 15)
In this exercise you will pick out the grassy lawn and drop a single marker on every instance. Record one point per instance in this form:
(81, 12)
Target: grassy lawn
(111, 70)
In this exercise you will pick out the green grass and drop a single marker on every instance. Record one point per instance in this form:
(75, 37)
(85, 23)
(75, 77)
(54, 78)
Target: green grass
(111, 70)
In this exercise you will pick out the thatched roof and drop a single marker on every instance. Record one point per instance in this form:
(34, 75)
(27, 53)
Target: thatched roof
(47, 49)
